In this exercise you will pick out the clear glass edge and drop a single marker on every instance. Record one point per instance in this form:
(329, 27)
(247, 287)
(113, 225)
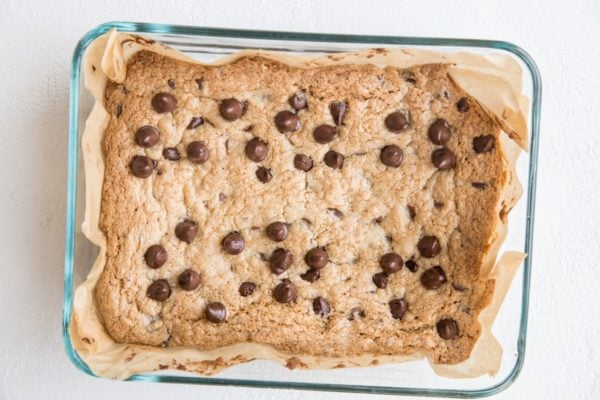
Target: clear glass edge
(277, 35)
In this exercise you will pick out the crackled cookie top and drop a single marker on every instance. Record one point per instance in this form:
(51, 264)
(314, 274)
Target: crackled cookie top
(336, 210)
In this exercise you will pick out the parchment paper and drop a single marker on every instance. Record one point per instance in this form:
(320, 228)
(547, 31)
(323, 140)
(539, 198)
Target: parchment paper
(493, 80)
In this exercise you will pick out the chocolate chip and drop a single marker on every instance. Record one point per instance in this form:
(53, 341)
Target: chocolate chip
(142, 166)
(411, 212)
(338, 111)
(281, 260)
(462, 105)
(189, 279)
(439, 131)
(479, 185)
(378, 220)
(391, 262)
(159, 290)
(398, 308)
(447, 328)
(171, 153)
(298, 101)
(433, 278)
(278, 231)
(336, 213)
(163, 102)
(443, 159)
(197, 152)
(256, 149)
(396, 122)
(483, 143)
(333, 159)
(429, 246)
(458, 288)
(380, 280)
(303, 162)
(155, 256)
(171, 83)
(311, 275)
(321, 306)
(247, 288)
(391, 155)
(412, 266)
(287, 121)
(231, 109)
(285, 292)
(324, 133)
(216, 312)
(147, 136)
(118, 110)
(233, 243)
(199, 83)
(186, 231)
(264, 174)
(438, 204)
(316, 258)
(356, 313)
(195, 122)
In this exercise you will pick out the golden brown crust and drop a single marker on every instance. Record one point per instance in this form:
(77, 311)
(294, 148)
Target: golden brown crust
(224, 195)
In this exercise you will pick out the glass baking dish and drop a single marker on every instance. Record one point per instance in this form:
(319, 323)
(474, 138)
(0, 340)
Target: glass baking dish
(412, 378)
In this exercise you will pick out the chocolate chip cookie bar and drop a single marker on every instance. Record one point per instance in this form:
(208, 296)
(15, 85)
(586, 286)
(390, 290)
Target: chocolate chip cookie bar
(328, 210)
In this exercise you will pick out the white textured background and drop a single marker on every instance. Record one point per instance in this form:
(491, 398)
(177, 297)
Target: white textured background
(37, 39)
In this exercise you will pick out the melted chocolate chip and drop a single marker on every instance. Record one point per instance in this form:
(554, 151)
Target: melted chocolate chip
(231, 109)
(398, 308)
(338, 111)
(298, 101)
(171, 153)
(199, 83)
(411, 212)
(356, 313)
(264, 174)
(197, 152)
(311, 275)
(380, 280)
(278, 231)
(316, 258)
(336, 213)
(189, 279)
(462, 105)
(195, 122)
(186, 231)
(118, 110)
(396, 122)
(324, 133)
(281, 260)
(285, 292)
(321, 306)
(142, 166)
(412, 266)
(171, 83)
(256, 149)
(233, 243)
(333, 159)
(391, 155)
(443, 159)
(447, 328)
(303, 162)
(147, 136)
(483, 143)
(247, 288)
(439, 131)
(479, 185)
(163, 102)
(429, 246)
(433, 278)
(156, 256)
(287, 121)
(216, 312)
(391, 262)
(159, 290)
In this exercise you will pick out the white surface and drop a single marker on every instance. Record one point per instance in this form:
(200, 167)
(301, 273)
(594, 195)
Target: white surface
(37, 42)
